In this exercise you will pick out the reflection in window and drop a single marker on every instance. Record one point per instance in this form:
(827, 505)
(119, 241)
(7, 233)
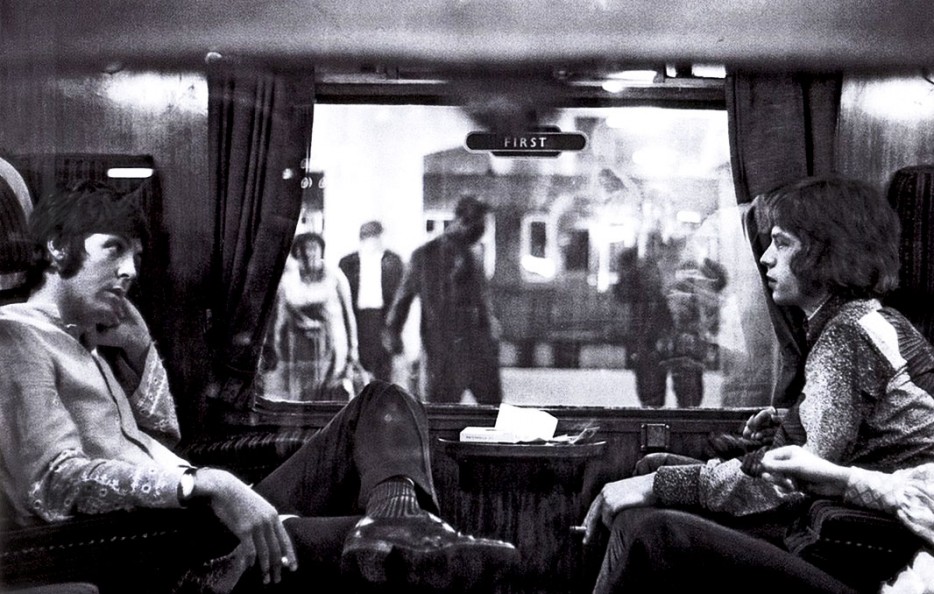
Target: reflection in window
(538, 239)
(619, 275)
(575, 249)
(537, 258)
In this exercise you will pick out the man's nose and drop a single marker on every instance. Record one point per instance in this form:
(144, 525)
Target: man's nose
(766, 258)
(127, 268)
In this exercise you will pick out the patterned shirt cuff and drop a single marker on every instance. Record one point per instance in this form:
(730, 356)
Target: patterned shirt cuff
(677, 485)
(872, 489)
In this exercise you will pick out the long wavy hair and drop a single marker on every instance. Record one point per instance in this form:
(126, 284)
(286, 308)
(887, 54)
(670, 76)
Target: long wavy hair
(849, 234)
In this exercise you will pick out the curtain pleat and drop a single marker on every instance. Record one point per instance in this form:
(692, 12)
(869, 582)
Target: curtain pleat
(782, 127)
(260, 129)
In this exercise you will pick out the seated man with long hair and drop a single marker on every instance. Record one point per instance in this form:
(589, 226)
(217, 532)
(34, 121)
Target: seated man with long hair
(867, 401)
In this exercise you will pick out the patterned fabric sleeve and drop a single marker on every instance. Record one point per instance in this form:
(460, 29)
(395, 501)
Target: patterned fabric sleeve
(44, 467)
(916, 501)
(74, 483)
(837, 370)
(873, 490)
(909, 494)
(152, 403)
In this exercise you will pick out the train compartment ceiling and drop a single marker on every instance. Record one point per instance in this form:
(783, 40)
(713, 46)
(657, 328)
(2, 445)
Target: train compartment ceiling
(789, 33)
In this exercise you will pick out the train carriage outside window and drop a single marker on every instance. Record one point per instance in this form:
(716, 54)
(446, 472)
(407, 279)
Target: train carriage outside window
(619, 274)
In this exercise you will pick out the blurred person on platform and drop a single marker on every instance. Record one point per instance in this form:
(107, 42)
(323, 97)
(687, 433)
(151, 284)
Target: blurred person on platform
(374, 274)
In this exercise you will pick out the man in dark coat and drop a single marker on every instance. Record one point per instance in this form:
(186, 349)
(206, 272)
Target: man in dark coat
(459, 333)
(374, 274)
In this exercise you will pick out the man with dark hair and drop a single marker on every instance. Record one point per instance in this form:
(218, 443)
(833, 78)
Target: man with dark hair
(374, 274)
(86, 433)
(458, 330)
(867, 401)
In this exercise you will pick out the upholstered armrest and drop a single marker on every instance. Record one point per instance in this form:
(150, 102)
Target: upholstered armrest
(861, 547)
(145, 550)
(250, 455)
(139, 551)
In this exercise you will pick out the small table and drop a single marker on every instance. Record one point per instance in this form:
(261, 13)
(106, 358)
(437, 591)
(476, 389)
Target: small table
(530, 495)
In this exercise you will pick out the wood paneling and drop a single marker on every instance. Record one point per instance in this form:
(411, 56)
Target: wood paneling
(886, 123)
(534, 502)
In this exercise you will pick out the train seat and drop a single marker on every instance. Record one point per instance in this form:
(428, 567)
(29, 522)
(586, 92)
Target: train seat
(911, 193)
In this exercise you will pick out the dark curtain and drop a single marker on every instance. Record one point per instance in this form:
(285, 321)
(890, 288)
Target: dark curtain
(260, 130)
(782, 128)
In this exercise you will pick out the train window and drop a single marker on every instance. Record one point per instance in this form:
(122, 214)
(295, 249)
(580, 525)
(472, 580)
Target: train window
(619, 275)
(537, 257)
(538, 238)
(575, 249)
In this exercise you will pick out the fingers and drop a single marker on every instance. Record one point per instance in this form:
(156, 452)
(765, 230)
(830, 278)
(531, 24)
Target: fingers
(762, 425)
(290, 560)
(765, 436)
(274, 550)
(784, 485)
(593, 515)
(262, 552)
(762, 419)
(247, 551)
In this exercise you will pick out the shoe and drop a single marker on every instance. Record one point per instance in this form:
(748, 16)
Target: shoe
(423, 552)
(217, 576)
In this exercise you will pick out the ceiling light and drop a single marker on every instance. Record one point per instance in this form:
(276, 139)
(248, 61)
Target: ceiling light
(129, 172)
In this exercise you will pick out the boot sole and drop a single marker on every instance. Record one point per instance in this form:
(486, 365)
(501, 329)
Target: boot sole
(457, 565)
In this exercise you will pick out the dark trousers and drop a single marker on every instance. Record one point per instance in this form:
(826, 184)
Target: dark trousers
(664, 550)
(380, 434)
(468, 359)
(687, 378)
(373, 355)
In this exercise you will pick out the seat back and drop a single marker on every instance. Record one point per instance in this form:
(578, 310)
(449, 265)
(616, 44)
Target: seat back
(911, 193)
(15, 206)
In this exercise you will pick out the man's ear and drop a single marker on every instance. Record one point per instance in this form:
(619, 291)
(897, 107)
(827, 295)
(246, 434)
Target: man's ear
(57, 254)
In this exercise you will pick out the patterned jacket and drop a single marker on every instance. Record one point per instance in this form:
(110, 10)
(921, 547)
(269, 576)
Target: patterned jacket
(867, 401)
(75, 437)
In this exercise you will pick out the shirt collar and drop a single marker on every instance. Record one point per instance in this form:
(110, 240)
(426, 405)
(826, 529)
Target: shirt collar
(815, 324)
(53, 315)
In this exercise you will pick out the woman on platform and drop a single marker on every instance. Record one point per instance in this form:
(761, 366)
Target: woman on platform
(314, 333)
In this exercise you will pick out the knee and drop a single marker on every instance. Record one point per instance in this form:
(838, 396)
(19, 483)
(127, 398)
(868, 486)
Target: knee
(646, 527)
(380, 395)
(380, 390)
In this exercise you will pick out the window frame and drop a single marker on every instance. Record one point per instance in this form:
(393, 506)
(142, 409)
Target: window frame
(394, 87)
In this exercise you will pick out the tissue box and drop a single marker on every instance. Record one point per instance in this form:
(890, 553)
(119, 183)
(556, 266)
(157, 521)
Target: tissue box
(488, 435)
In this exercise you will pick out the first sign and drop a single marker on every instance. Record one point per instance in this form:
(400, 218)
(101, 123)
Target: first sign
(526, 144)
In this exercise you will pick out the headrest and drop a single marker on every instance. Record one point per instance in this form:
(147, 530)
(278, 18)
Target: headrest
(15, 205)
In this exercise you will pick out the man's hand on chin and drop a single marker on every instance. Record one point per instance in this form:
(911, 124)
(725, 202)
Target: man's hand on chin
(126, 331)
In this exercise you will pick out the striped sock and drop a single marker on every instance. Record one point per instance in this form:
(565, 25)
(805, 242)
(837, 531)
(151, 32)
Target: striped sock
(393, 498)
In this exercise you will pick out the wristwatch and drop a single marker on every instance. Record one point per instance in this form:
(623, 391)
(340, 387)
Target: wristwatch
(186, 486)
